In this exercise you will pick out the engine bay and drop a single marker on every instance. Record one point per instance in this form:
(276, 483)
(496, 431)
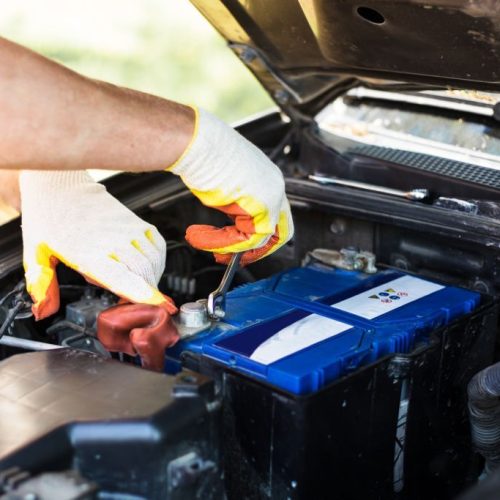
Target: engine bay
(188, 276)
(339, 243)
(350, 348)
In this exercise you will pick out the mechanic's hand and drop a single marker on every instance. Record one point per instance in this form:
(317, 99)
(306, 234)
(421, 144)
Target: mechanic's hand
(69, 218)
(227, 172)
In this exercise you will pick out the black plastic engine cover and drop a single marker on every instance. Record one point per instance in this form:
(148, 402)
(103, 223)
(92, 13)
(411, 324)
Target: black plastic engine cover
(128, 430)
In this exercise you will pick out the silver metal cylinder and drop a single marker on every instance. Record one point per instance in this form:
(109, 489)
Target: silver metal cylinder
(193, 315)
(29, 345)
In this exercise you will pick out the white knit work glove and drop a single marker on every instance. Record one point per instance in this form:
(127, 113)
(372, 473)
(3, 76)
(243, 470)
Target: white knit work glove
(69, 218)
(225, 171)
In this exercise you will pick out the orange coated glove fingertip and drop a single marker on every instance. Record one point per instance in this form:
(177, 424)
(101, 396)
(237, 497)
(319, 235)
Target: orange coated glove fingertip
(44, 310)
(211, 238)
(199, 235)
(169, 305)
(197, 228)
(225, 258)
(49, 305)
(222, 258)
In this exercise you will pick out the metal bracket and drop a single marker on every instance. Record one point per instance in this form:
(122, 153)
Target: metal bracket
(187, 469)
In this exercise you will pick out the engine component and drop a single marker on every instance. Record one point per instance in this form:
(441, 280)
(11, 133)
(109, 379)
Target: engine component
(192, 318)
(485, 208)
(350, 259)
(367, 119)
(67, 485)
(16, 304)
(187, 469)
(484, 415)
(181, 285)
(84, 312)
(86, 343)
(78, 329)
(306, 327)
(365, 421)
(133, 433)
(178, 278)
(138, 329)
(332, 372)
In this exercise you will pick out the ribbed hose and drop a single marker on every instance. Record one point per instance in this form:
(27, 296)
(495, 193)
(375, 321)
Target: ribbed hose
(484, 413)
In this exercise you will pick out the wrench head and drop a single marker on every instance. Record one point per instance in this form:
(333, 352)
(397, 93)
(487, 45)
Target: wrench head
(216, 306)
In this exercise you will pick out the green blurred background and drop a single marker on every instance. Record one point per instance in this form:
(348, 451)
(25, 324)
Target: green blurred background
(160, 46)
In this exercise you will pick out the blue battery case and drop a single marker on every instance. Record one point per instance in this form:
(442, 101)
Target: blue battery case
(306, 327)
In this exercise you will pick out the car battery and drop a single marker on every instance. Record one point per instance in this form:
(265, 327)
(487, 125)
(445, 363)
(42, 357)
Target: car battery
(339, 384)
(306, 327)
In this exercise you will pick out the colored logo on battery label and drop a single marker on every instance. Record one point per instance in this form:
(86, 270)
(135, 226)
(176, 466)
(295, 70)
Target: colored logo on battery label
(388, 296)
(381, 299)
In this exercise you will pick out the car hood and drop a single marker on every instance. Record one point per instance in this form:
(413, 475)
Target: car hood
(304, 50)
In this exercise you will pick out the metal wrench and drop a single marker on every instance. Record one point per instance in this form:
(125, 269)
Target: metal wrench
(413, 195)
(216, 303)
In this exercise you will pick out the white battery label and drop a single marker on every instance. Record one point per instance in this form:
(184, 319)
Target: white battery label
(387, 297)
(296, 337)
(315, 328)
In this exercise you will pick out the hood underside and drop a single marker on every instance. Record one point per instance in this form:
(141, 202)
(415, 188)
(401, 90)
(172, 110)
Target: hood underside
(301, 49)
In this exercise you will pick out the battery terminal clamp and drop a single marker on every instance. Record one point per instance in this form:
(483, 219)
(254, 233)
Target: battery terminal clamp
(349, 259)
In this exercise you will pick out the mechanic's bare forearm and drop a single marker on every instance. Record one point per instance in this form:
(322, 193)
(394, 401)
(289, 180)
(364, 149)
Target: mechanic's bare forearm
(55, 119)
(9, 190)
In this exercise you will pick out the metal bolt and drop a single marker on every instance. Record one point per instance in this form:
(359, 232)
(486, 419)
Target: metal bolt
(219, 312)
(338, 226)
(281, 96)
(358, 264)
(368, 260)
(193, 314)
(248, 55)
(482, 286)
